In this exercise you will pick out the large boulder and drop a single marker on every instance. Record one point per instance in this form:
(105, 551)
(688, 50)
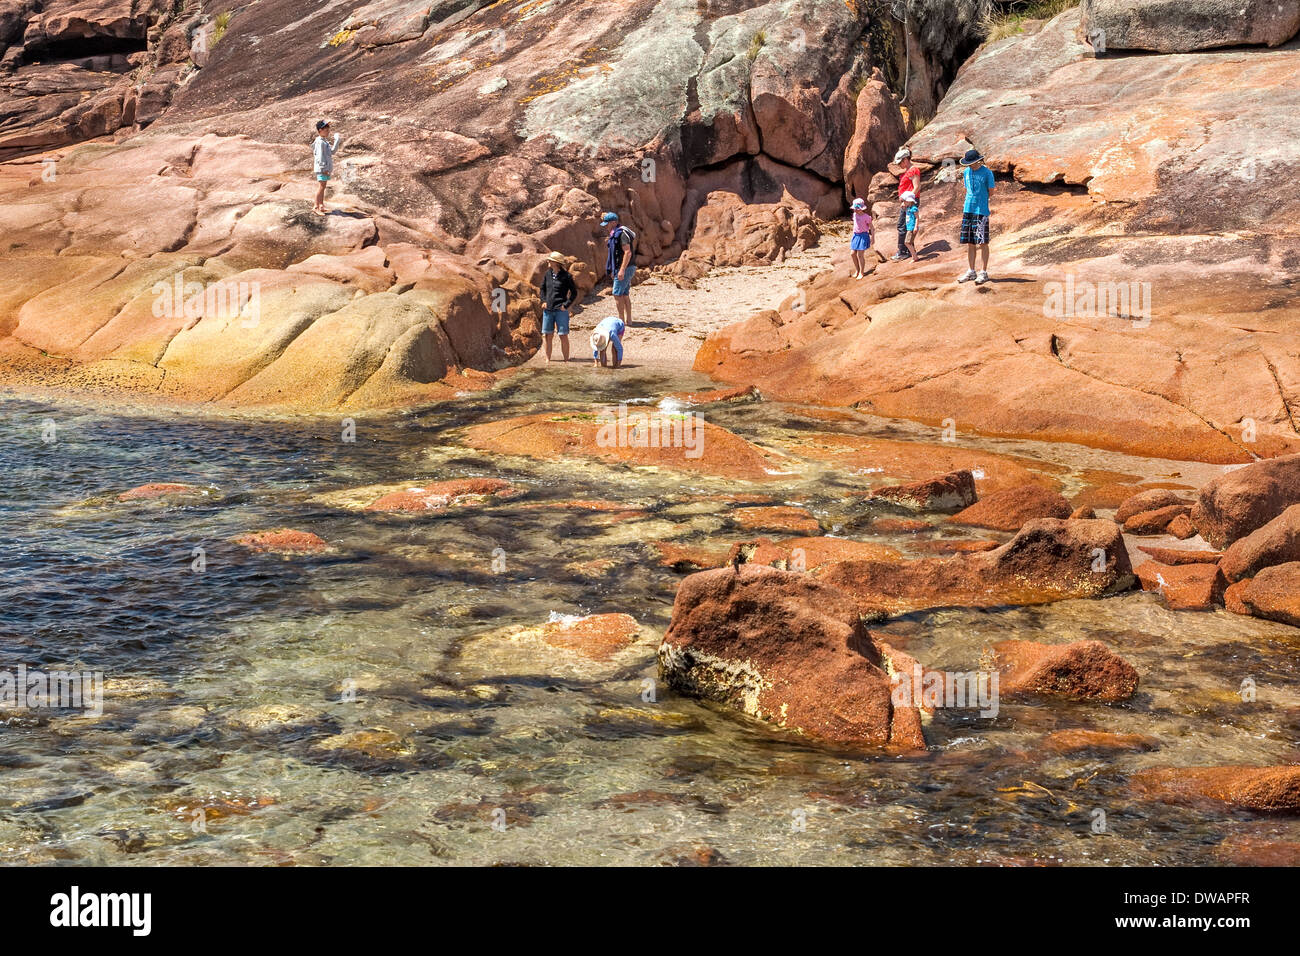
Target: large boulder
(785, 648)
(1181, 26)
(1277, 542)
(1237, 503)
(1273, 594)
(878, 133)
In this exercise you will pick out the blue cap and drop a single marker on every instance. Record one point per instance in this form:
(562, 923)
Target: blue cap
(609, 217)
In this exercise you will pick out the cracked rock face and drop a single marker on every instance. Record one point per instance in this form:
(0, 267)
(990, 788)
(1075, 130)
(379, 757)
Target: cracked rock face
(183, 259)
(1143, 261)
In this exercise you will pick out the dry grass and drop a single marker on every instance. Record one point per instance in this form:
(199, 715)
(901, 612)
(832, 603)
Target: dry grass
(1008, 19)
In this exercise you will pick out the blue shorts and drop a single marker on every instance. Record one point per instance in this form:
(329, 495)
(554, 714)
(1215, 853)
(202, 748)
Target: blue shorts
(624, 286)
(861, 242)
(555, 320)
(322, 177)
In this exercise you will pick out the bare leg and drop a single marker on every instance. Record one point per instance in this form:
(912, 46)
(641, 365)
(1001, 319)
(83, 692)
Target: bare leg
(564, 347)
(320, 197)
(984, 257)
(624, 303)
(549, 336)
(970, 255)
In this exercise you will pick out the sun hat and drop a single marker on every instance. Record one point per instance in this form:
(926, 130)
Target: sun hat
(555, 257)
(609, 217)
(859, 204)
(908, 196)
(599, 341)
(971, 158)
(902, 154)
(321, 124)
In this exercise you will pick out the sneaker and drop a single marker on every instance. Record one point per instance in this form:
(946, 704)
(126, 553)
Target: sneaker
(982, 278)
(898, 257)
(966, 276)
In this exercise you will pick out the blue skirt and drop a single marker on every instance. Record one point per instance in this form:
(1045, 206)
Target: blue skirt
(861, 242)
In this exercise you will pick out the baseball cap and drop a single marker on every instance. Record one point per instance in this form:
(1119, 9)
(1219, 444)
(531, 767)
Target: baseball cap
(321, 124)
(609, 217)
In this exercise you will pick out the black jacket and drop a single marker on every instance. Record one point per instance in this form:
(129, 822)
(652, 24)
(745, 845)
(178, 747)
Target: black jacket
(558, 290)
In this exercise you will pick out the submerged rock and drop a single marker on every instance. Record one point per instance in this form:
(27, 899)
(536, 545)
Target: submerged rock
(285, 541)
(782, 647)
(1081, 740)
(636, 437)
(1085, 670)
(162, 489)
(1267, 789)
(458, 493)
(578, 647)
(776, 518)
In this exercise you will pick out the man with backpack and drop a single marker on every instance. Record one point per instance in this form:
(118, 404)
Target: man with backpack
(621, 264)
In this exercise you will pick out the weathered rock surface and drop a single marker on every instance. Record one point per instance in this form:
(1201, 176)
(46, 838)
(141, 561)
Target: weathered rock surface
(1008, 510)
(950, 492)
(1086, 670)
(1152, 500)
(1048, 560)
(1181, 26)
(1185, 587)
(1137, 264)
(782, 647)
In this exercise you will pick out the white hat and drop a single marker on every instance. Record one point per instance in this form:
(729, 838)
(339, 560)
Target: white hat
(859, 204)
(599, 341)
(902, 154)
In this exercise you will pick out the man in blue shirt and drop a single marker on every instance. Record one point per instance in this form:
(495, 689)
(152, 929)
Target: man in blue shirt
(978, 179)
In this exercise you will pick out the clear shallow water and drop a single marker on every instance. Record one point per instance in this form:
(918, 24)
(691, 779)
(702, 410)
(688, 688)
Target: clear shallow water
(578, 769)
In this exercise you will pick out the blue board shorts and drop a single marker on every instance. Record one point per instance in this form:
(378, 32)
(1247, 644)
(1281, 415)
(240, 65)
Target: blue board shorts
(555, 320)
(861, 242)
(322, 177)
(624, 286)
(974, 230)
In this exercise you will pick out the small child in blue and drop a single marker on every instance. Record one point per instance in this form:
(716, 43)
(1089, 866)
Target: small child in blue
(909, 224)
(863, 232)
(606, 334)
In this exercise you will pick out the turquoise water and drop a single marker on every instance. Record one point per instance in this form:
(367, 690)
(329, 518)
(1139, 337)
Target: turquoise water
(477, 758)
